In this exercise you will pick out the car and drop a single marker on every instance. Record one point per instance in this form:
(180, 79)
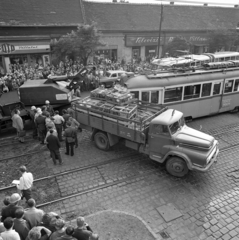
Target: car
(113, 76)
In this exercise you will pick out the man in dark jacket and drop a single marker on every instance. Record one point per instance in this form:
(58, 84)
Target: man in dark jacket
(41, 126)
(21, 226)
(54, 145)
(71, 136)
(32, 115)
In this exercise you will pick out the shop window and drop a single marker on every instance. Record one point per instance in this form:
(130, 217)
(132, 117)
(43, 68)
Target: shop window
(236, 86)
(173, 94)
(228, 86)
(206, 89)
(36, 59)
(145, 96)
(154, 96)
(192, 91)
(216, 88)
(18, 59)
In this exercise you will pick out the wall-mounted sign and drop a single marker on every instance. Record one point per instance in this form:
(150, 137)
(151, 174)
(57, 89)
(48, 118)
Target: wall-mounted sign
(153, 40)
(12, 48)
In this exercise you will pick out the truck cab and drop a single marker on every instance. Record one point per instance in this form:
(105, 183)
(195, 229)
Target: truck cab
(183, 148)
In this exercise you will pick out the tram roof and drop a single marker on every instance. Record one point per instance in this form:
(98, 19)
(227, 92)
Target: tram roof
(171, 79)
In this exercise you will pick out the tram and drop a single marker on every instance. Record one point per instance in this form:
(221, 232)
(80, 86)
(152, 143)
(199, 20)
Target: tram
(196, 60)
(196, 93)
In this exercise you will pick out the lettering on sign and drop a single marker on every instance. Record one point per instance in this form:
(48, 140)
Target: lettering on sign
(7, 48)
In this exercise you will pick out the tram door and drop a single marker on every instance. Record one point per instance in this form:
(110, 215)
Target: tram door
(216, 97)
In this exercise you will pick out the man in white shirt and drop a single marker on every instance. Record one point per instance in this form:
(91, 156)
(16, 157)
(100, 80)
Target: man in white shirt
(9, 234)
(59, 121)
(26, 181)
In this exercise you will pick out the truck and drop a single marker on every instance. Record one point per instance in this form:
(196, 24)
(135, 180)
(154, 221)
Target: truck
(152, 129)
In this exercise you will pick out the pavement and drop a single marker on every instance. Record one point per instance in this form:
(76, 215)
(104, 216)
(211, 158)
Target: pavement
(198, 206)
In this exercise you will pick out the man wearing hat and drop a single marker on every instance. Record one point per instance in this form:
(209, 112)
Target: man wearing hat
(26, 181)
(9, 211)
(49, 108)
(41, 126)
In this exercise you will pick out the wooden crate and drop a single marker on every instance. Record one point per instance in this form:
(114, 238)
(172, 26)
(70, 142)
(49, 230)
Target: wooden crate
(124, 111)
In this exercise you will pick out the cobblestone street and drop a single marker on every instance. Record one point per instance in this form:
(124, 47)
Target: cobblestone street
(207, 201)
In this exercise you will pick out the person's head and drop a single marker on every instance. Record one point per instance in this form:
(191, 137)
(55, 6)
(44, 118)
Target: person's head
(80, 221)
(31, 203)
(23, 169)
(34, 234)
(64, 111)
(33, 108)
(8, 223)
(6, 200)
(56, 112)
(16, 111)
(47, 114)
(69, 230)
(15, 198)
(43, 108)
(47, 102)
(39, 111)
(60, 223)
(19, 213)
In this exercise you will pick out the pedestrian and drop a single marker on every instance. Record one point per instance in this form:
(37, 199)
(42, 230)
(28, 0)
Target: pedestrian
(9, 234)
(75, 124)
(18, 124)
(49, 108)
(78, 92)
(32, 214)
(21, 226)
(41, 126)
(49, 121)
(70, 138)
(83, 231)
(38, 233)
(26, 183)
(59, 121)
(54, 145)
(9, 211)
(68, 234)
(60, 229)
(66, 116)
(33, 112)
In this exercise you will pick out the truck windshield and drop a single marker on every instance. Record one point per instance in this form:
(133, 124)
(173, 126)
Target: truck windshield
(107, 74)
(176, 126)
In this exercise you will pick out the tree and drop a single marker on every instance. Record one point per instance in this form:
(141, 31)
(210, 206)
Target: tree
(81, 43)
(178, 43)
(223, 39)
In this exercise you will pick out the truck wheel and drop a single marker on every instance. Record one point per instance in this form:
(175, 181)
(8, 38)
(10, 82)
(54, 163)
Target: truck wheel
(101, 141)
(177, 167)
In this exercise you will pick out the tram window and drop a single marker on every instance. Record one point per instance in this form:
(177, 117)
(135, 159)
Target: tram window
(192, 91)
(228, 86)
(237, 57)
(228, 58)
(206, 89)
(216, 88)
(145, 96)
(154, 96)
(236, 86)
(173, 94)
(136, 94)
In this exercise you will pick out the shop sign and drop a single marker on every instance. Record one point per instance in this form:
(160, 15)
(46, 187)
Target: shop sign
(8, 48)
(153, 40)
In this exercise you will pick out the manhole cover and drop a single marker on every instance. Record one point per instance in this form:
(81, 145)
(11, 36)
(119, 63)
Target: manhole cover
(164, 234)
(169, 212)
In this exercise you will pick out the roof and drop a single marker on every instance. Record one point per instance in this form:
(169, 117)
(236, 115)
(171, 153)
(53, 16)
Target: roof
(108, 16)
(145, 17)
(168, 117)
(43, 12)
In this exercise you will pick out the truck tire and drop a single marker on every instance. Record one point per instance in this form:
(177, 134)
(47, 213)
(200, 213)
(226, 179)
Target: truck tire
(101, 141)
(176, 166)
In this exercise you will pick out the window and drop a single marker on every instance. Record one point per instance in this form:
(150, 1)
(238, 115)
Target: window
(192, 91)
(136, 94)
(114, 75)
(159, 129)
(145, 96)
(236, 86)
(216, 88)
(173, 94)
(228, 86)
(206, 89)
(154, 96)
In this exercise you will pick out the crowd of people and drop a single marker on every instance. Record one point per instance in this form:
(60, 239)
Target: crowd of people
(31, 223)
(19, 73)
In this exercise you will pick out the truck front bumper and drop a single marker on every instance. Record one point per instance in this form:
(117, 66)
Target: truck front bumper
(205, 168)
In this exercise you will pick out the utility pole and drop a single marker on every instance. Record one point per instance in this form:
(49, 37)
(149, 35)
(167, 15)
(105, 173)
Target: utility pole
(160, 27)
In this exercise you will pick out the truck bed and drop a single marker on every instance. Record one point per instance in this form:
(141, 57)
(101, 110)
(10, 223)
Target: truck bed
(130, 129)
